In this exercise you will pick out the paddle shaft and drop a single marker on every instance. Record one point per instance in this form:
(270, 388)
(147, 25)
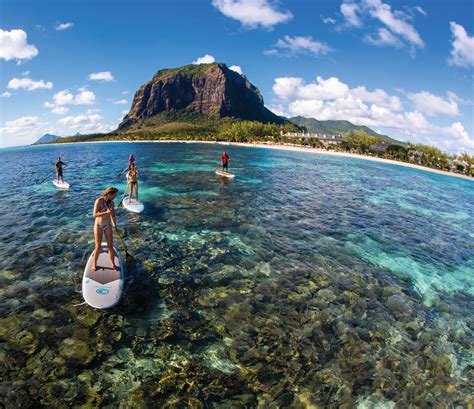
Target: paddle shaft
(128, 256)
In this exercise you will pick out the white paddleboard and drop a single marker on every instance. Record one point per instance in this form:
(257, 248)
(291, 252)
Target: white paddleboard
(134, 205)
(103, 288)
(60, 185)
(225, 174)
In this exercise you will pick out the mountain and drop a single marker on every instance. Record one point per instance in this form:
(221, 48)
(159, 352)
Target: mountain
(211, 90)
(47, 138)
(335, 127)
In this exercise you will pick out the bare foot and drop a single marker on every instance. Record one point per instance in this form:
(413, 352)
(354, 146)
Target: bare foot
(116, 268)
(94, 268)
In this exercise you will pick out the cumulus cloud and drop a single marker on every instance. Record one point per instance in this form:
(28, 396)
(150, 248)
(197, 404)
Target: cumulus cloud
(205, 59)
(332, 99)
(253, 13)
(64, 26)
(6, 94)
(350, 12)
(462, 53)
(22, 131)
(84, 97)
(299, 45)
(120, 102)
(89, 122)
(59, 110)
(14, 46)
(236, 68)
(29, 84)
(101, 76)
(432, 105)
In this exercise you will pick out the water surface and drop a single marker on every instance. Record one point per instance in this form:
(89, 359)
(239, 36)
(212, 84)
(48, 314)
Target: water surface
(308, 280)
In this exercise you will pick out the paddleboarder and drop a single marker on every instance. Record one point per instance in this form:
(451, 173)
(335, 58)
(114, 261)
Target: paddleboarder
(133, 182)
(59, 169)
(225, 161)
(104, 214)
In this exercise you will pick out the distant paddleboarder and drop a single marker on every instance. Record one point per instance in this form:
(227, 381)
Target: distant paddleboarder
(105, 220)
(225, 161)
(132, 176)
(59, 169)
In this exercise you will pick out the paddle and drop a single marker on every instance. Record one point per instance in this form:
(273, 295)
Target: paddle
(123, 196)
(128, 256)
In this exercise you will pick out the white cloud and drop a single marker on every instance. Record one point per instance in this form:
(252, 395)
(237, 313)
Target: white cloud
(29, 84)
(60, 110)
(286, 87)
(89, 122)
(101, 76)
(14, 46)
(349, 10)
(84, 97)
(384, 37)
(125, 92)
(420, 10)
(236, 68)
(299, 45)
(378, 97)
(25, 73)
(64, 26)
(431, 104)
(462, 53)
(6, 94)
(393, 21)
(328, 20)
(84, 120)
(121, 102)
(205, 59)
(125, 112)
(332, 99)
(253, 13)
(22, 131)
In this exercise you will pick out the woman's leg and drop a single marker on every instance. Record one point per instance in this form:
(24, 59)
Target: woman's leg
(98, 240)
(136, 190)
(130, 186)
(110, 245)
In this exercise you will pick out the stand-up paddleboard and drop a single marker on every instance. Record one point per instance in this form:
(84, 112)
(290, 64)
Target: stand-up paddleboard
(60, 185)
(103, 288)
(225, 174)
(134, 205)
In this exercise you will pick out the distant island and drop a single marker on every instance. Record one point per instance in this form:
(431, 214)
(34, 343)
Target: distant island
(214, 103)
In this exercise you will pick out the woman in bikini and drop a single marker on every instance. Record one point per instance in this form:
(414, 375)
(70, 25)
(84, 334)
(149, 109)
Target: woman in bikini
(104, 215)
(133, 182)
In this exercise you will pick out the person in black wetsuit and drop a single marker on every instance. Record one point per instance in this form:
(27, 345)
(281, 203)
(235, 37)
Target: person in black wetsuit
(59, 169)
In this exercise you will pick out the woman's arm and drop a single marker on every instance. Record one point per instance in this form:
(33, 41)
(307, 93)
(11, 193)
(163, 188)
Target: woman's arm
(96, 209)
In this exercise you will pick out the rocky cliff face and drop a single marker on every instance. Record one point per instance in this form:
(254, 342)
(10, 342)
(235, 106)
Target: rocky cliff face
(210, 89)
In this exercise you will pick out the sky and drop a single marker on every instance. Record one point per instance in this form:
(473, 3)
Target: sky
(403, 68)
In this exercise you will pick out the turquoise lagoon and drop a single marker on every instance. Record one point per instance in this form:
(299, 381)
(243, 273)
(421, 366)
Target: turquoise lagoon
(308, 280)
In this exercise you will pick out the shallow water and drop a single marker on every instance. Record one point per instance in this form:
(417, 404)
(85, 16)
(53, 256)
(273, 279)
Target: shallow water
(307, 280)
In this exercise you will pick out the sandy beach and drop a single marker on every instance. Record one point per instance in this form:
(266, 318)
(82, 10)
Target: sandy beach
(295, 148)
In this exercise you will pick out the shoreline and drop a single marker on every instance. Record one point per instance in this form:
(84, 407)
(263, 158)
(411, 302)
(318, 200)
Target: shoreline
(293, 148)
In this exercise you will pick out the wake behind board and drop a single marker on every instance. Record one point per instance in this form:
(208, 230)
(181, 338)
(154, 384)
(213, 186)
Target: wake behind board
(225, 174)
(134, 205)
(103, 288)
(60, 185)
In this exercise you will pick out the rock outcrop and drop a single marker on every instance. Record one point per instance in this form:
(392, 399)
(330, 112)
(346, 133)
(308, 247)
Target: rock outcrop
(210, 89)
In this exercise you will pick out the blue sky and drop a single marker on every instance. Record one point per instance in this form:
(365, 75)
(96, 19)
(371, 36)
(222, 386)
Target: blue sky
(405, 68)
